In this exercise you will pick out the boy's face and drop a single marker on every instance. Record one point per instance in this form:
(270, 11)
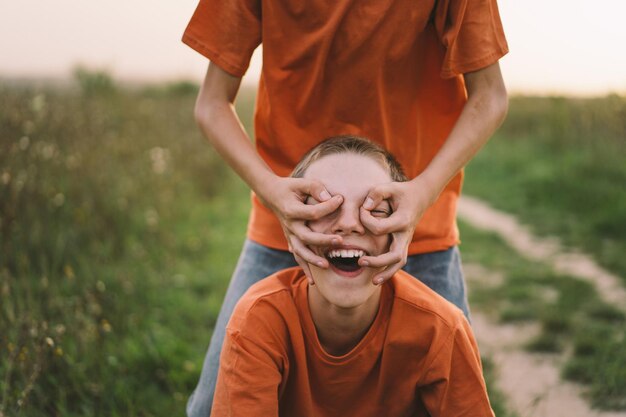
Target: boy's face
(346, 284)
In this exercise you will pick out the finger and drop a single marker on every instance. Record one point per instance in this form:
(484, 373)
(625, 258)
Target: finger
(306, 268)
(395, 223)
(387, 273)
(313, 211)
(384, 260)
(397, 253)
(302, 232)
(301, 250)
(317, 190)
(377, 194)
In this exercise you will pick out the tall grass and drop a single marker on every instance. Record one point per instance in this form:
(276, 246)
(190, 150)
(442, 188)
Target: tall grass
(113, 230)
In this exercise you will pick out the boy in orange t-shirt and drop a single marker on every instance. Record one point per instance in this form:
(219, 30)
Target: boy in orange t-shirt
(420, 78)
(344, 346)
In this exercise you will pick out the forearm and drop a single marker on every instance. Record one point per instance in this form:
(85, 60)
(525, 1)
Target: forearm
(482, 114)
(221, 126)
(216, 116)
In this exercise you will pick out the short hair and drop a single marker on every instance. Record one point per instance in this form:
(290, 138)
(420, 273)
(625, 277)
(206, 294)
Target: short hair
(354, 145)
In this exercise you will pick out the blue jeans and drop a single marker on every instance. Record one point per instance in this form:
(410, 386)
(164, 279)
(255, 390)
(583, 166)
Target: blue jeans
(441, 271)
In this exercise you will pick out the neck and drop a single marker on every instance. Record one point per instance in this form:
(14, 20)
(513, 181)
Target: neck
(340, 329)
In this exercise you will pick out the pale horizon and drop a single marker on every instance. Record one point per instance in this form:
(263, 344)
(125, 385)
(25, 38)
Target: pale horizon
(580, 54)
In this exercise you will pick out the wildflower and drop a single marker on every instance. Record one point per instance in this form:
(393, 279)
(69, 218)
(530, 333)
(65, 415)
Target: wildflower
(159, 157)
(49, 341)
(48, 151)
(69, 272)
(6, 177)
(38, 103)
(58, 351)
(189, 366)
(72, 161)
(106, 326)
(100, 286)
(58, 199)
(59, 329)
(24, 142)
(152, 217)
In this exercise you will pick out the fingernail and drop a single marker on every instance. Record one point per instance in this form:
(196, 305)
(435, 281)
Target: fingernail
(320, 264)
(368, 203)
(379, 281)
(325, 195)
(334, 241)
(365, 263)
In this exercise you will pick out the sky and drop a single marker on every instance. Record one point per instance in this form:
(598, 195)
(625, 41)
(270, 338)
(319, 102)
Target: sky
(571, 47)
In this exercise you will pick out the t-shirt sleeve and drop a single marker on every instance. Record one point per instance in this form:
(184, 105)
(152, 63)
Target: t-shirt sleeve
(226, 32)
(471, 33)
(453, 384)
(248, 380)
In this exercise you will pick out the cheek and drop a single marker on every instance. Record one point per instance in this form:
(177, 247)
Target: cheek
(319, 226)
(383, 243)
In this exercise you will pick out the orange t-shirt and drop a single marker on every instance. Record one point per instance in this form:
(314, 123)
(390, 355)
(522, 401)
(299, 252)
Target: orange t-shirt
(418, 358)
(388, 70)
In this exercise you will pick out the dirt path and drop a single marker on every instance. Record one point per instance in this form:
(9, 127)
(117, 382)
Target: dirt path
(481, 216)
(531, 382)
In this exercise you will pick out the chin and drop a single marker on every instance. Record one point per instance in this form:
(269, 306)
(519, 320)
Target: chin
(342, 291)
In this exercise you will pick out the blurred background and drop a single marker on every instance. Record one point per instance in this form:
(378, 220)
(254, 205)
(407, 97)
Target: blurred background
(120, 226)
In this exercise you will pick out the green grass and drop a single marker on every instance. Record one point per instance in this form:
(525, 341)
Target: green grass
(569, 310)
(119, 230)
(558, 164)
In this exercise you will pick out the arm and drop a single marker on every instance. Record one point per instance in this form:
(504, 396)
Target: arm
(218, 121)
(482, 114)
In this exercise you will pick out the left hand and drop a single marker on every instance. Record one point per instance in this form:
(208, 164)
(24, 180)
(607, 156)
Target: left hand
(409, 200)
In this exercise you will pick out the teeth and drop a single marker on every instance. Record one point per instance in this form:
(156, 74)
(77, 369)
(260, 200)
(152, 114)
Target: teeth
(345, 253)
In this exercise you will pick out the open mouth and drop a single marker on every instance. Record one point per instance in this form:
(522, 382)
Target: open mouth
(346, 260)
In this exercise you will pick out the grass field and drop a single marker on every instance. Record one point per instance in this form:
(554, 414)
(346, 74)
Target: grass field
(560, 166)
(120, 228)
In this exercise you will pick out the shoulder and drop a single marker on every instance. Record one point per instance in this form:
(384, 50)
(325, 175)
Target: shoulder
(425, 324)
(414, 296)
(421, 320)
(270, 301)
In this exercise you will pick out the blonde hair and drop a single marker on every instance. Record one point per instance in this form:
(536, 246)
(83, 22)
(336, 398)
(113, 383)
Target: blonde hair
(355, 145)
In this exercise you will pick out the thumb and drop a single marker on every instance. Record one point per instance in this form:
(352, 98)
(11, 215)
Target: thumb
(376, 195)
(318, 191)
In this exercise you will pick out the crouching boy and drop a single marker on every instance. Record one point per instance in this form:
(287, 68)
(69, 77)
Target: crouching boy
(343, 346)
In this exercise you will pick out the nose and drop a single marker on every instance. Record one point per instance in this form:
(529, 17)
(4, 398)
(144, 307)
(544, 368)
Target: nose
(348, 220)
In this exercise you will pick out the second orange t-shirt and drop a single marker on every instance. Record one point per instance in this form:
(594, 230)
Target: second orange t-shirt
(388, 70)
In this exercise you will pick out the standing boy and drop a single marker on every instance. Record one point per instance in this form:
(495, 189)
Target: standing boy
(421, 78)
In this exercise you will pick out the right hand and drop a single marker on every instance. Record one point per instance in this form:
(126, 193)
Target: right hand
(286, 197)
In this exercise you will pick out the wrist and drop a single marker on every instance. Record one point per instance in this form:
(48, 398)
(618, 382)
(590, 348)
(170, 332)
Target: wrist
(425, 186)
(263, 185)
